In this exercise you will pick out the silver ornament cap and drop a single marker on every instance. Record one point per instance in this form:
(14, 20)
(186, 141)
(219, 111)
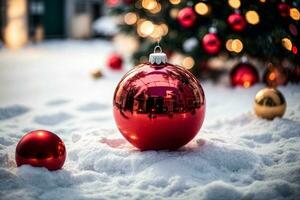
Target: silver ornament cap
(158, 57)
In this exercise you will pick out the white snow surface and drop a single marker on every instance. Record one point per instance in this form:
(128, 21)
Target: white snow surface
(236, 155)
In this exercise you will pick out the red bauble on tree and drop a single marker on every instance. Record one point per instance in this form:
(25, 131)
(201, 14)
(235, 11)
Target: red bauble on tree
(158, 105)
(211, 43)
(187, 17)
(237, 22)
(115, 62)
(41, 148)
(283, 9)
(244, 74)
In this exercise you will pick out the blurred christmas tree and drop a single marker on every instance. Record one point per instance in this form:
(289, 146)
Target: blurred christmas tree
(199, 30)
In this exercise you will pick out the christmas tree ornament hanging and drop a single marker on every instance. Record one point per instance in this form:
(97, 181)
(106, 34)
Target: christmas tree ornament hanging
(244, 74)
(283, 9)
(211, 43)
(269, 103)
(115, 62)
(187, 17)
(158, 105)
(41, 148)
(236, 22)
(275, 76)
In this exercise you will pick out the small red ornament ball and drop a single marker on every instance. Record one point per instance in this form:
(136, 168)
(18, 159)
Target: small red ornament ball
(115, 62)
(187, 17)
(237, 22)
(211, 43)
(41, 148)
(283, 9)
(159, 106)
(244, 74)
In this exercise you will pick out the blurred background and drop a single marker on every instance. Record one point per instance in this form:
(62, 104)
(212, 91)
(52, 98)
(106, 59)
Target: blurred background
(209, 38)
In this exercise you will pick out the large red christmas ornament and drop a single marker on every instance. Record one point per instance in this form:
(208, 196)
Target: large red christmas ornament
(237, 22)
(211, 43)
(283, 9)
(158, 105)
(41, 148)
(115, 62)
(187, 17)
(244, 74)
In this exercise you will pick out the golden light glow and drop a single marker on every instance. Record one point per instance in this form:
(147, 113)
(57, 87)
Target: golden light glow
(174, 13)
(15, 33)
(156, 9)
(272, 76)
(295, 14)
(188, 62)
(246, 84)
(234, 3)
(287, 43)
(252, 17)
(165, 29)
(234, 45)
(147, 27)
(229, 45)
(174, 2)
(237, 45)
(263, 1)
(157, 32)
(201, 8)
(130, 18)
(149, 4)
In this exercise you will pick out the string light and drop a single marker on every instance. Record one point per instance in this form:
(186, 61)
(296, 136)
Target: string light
(252, 17)
(234, 45)
(174, 13)
(237, 45)
(188, 62)
(174, 2)
(157, 9)
(229, 45)
(234, 3)
(294, 50)
(286, 43)
(201, 8)
(146, 27)
(130, 18)
(149, 4)
(295, 14)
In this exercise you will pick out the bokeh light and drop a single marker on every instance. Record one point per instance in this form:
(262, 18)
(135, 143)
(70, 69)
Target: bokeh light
(252, 17)
(295, 14)
(174, 2)
(201, 8)
(130, 18)
(234, 3)
(287, 43)
(188, 62)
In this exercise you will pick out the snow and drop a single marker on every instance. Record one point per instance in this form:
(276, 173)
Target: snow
(235, 156)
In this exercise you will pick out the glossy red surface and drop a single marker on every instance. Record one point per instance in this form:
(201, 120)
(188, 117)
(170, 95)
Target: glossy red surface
(211, 43)
(187, 17)
(41, 148)
(244, 74)
(237, 22)
(159, 106)
(115, 62)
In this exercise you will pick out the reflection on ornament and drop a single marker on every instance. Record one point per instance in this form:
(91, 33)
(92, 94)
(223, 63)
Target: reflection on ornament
(244, 74)
(41, 148)
(269, 103)
(252, 17)
(159, 106)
